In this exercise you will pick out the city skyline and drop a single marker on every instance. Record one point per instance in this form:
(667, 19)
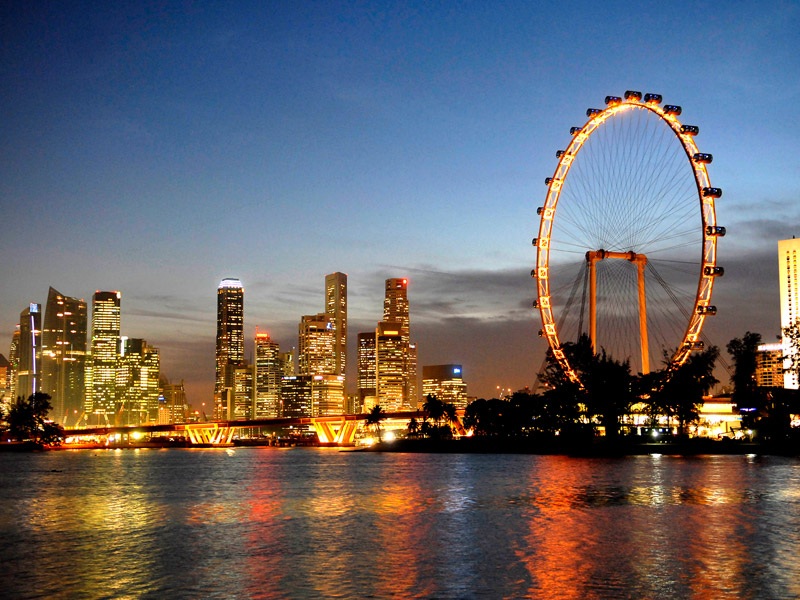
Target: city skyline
(156, 150)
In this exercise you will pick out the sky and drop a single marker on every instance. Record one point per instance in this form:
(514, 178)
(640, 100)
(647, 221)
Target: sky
(156, 148)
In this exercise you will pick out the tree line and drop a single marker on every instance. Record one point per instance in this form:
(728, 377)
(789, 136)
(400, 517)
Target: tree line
(610, 393)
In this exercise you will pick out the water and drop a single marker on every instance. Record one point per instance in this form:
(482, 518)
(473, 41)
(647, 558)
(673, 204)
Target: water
(319, 523)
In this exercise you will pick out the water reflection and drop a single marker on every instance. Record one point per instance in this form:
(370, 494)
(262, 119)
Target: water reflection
(308, 523)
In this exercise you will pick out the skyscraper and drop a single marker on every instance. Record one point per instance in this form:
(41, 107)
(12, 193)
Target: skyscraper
(446, 383)
(106, 313)
(390, 366)
(396, 316)
(30, 332)
(5, 380)
(64, 355)
(138, 374)
(269, 371)
(366, 371)
(13, 361)
(316, 345)
(336, 307)
(316, 353)
(789, 286)
(395, 306)
(230, 339)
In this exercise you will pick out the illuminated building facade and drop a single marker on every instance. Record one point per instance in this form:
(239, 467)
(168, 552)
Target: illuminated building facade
(269, 371)
(446, 383)
(296, 395)
(366, 371)
(138, 371)
(769, 365)
(412, 393)
(13, 361)
(390, 366)
(243, 392)
(789, 287)
(230, 340)
(396, 312)
(336, 308)
(64, 356)
(316, 352)
(30, 352)
(316, 343)
(172, 403)
(327, 395)
(5, 380)
(105, 349)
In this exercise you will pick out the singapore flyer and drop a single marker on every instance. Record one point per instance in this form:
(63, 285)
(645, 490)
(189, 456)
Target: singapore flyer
(626, 250)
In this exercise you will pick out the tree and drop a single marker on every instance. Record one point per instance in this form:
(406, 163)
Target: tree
(413, 427)
(609, 386)
(374, 418)
(684, 390)
(743, 351)
(434, 409)
(27, 420)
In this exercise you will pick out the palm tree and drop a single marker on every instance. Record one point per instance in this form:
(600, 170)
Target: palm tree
(434, 409)
(374, 418)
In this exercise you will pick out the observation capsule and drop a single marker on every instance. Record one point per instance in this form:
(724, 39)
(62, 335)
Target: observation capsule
(548, 180)
(672, 109)
(533, 273)
(560, 153)
(574, 130)
(652, 98)
(702, 157)
(632, 95)
(712, 192)
(535, 303)
(540, 210)
(613, 100)
(535, 242)
(715, 230)
(593, 112)
(690, 129)
(715, 271)
(707, 310)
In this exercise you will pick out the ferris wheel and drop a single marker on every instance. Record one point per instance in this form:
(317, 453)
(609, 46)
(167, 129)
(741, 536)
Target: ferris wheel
(626, 251)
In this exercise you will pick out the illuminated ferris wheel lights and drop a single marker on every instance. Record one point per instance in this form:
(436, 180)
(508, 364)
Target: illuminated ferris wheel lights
(562, 238)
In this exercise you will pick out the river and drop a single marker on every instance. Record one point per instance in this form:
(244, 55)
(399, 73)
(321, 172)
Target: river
(323, 523)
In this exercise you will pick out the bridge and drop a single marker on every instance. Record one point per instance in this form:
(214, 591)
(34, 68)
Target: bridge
(337, 430)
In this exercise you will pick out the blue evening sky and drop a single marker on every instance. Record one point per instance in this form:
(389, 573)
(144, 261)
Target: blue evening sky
(157, 147)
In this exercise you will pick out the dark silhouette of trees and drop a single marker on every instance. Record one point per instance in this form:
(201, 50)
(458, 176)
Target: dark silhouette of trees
(27, 421)
(743, 351)
(684, 390)
(609, 391)
(442, 416)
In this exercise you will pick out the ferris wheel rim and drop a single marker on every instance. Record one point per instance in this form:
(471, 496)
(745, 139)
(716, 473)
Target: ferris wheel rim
(667, 115)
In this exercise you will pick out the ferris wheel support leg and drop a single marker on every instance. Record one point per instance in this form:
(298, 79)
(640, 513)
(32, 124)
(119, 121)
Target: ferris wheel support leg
(641, 261)
(591, 259)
